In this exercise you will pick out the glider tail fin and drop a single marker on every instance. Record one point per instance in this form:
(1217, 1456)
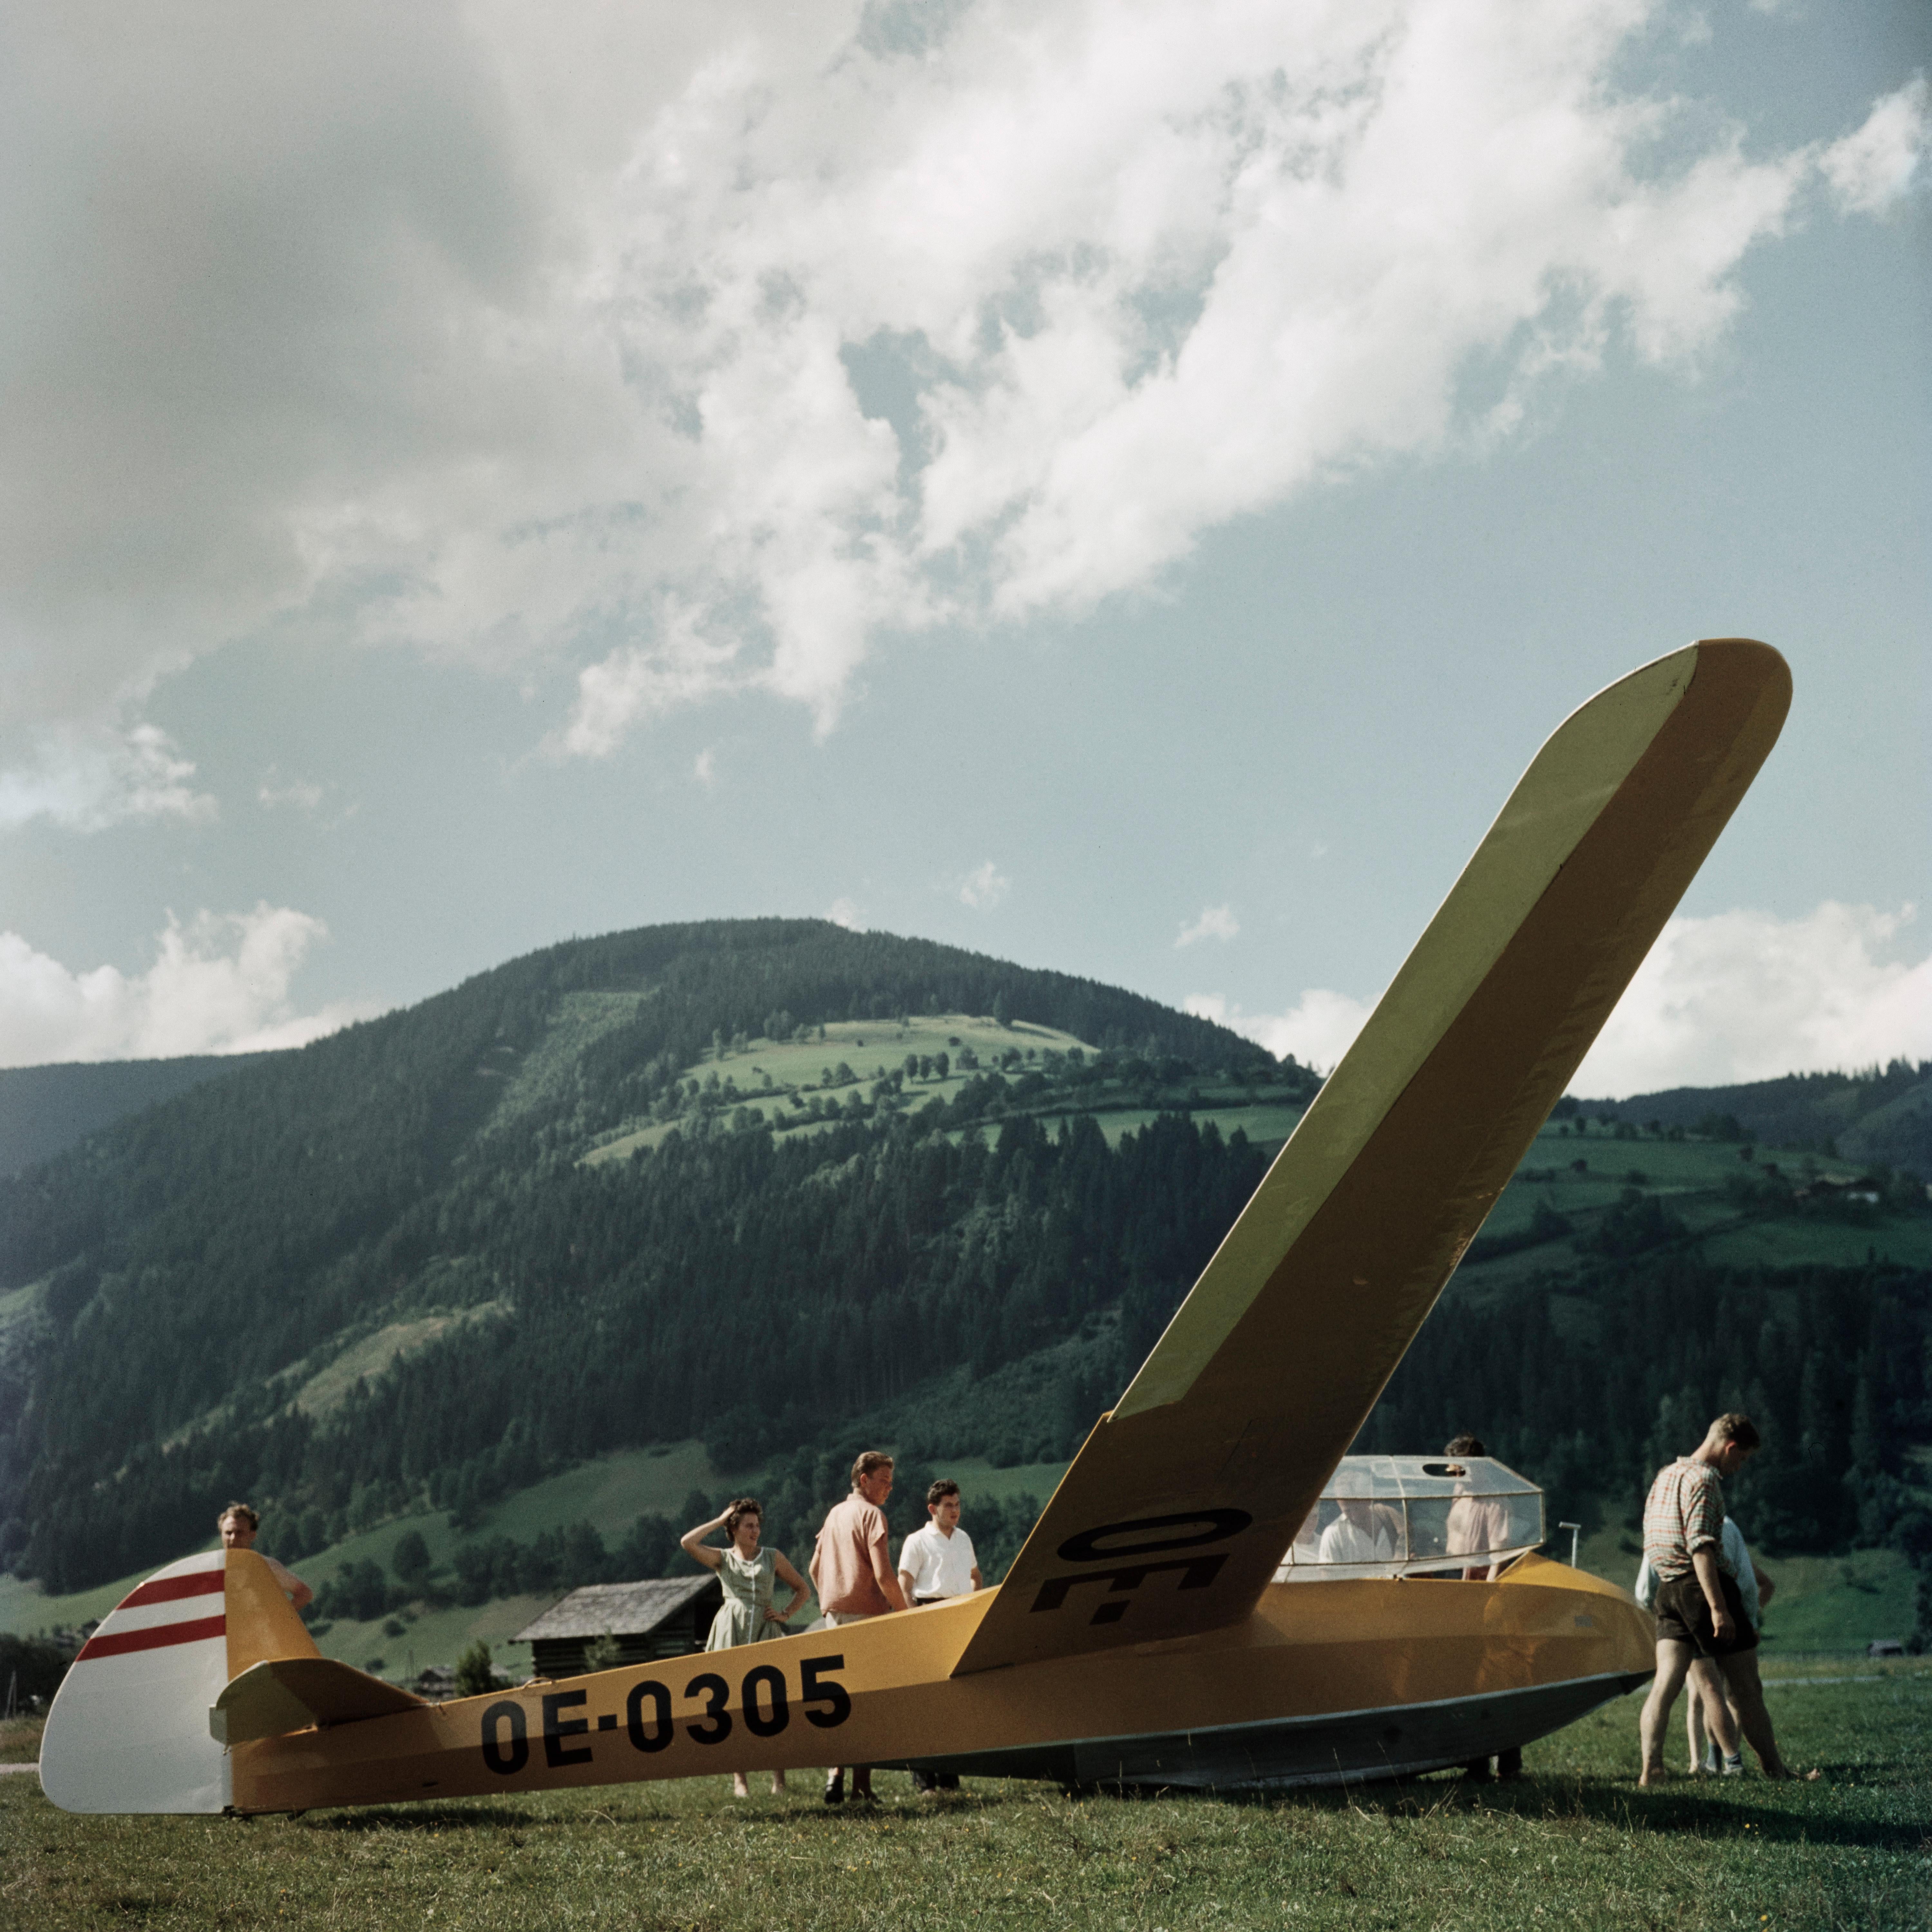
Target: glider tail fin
(263, 1623)
(128, 1730)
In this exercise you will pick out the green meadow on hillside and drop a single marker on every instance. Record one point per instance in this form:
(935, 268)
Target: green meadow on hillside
(1573, 1844)
(776, 1082)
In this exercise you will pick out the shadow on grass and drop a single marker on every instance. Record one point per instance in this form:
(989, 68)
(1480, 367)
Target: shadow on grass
(793, 1811)
(1691, 1808)
(434, 1818)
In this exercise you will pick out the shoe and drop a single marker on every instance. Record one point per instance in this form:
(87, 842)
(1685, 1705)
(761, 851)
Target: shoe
(1734, 1767)
(835, 1788)
(1712, 1760)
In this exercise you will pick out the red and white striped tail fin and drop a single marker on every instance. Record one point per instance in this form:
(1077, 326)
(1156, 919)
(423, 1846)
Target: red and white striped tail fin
(128, 1730)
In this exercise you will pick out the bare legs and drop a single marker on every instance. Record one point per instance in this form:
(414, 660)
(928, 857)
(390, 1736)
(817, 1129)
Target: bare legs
(1741, 1674)
(1673, 1662)
(1706, 1702)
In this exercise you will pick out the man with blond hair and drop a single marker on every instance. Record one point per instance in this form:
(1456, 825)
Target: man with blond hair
(1700, 1611)
(852, 1572)
(238, 1524)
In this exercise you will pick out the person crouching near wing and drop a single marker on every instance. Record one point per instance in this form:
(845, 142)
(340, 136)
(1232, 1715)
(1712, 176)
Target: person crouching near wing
(746, 1572)
(238, 1524)
(935, 1563)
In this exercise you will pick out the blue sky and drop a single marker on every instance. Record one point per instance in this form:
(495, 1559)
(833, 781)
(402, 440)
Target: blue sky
(1127, 487)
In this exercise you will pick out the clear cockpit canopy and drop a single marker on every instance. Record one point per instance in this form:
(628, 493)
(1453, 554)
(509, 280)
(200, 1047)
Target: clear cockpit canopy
(1410, 1515)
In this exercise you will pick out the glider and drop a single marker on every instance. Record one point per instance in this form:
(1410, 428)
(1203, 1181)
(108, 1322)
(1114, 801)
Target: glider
(1155, 1628)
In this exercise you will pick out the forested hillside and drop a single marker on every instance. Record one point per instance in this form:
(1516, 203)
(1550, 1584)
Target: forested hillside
(1883, 1115)
(180, 1279)
(45, 1109)
(780, 1187)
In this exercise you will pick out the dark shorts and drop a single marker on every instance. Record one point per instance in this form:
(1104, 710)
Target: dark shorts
(1684, 1616)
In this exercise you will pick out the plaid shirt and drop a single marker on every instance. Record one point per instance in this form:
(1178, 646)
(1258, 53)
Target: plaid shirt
(1684, 1512)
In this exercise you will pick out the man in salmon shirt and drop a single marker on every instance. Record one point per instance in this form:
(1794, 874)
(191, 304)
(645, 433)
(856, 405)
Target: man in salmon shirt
(852, 1572)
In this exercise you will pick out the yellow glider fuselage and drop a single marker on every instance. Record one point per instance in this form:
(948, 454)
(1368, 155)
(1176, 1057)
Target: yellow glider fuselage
(1325, 1680)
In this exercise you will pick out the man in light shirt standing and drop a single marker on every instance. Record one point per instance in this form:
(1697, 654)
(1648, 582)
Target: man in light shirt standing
(935, 1563)
(1700, 1610)
(852, 1574)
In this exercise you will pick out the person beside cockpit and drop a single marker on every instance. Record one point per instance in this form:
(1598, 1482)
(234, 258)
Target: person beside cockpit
(1477, 1524)
(1361, 1534)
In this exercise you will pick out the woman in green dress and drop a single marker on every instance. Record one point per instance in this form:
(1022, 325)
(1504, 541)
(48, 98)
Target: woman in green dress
(746, 1572)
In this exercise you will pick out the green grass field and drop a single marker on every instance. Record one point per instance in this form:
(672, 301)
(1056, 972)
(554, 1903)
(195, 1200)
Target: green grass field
(1573, 1844)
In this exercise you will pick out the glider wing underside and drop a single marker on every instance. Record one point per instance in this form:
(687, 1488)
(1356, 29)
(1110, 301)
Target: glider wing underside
(1173, 1516)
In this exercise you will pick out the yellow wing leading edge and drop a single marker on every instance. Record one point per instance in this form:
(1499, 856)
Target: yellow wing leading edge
(1175, 1515)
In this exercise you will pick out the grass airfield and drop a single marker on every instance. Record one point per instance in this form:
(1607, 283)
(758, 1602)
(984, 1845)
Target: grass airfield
(1574, 1843)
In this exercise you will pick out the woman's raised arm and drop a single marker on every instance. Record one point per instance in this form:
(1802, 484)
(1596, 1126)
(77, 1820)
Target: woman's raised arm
(692, 1542)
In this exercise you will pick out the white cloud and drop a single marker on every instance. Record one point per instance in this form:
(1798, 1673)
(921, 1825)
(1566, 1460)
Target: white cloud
(1316, 1030)
(298, 794)
(1747, 996)
(846, 912)
(984, 887)
(1732, 997)
(639, 681)
(86, 779)
(704, 767)
(1215, 922)
(220, 985)
(1871, 168)
(697, 350)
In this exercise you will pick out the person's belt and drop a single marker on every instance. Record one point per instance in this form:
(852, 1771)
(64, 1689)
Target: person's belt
(937, 1599)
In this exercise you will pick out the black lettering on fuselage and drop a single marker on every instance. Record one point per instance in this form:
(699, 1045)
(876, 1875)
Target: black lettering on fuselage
(556, 1731)
(505, 1762)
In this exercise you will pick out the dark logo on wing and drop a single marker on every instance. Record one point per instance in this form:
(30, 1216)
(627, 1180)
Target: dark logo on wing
(1122, 1544)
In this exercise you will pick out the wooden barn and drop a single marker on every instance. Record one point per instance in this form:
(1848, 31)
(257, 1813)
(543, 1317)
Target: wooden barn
(671, 1617)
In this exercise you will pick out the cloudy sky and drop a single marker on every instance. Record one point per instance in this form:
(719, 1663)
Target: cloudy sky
(1126, 486)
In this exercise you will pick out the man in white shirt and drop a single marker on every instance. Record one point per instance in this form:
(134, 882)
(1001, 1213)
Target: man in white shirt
(1361, 1534)
(935, 1563)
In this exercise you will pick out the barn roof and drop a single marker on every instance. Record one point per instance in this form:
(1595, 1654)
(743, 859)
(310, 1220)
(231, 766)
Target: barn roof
(617, 1609)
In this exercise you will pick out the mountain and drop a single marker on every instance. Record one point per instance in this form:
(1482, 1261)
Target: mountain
(44, 1110)
(770, 1190)
(1882, 1117)
(539, 1216)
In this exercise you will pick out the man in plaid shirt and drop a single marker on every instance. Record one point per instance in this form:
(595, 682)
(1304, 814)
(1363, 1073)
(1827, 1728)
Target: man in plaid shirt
(1700, 1616)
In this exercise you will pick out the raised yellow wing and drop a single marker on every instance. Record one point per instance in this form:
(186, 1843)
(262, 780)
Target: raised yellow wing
(1175, 1514)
